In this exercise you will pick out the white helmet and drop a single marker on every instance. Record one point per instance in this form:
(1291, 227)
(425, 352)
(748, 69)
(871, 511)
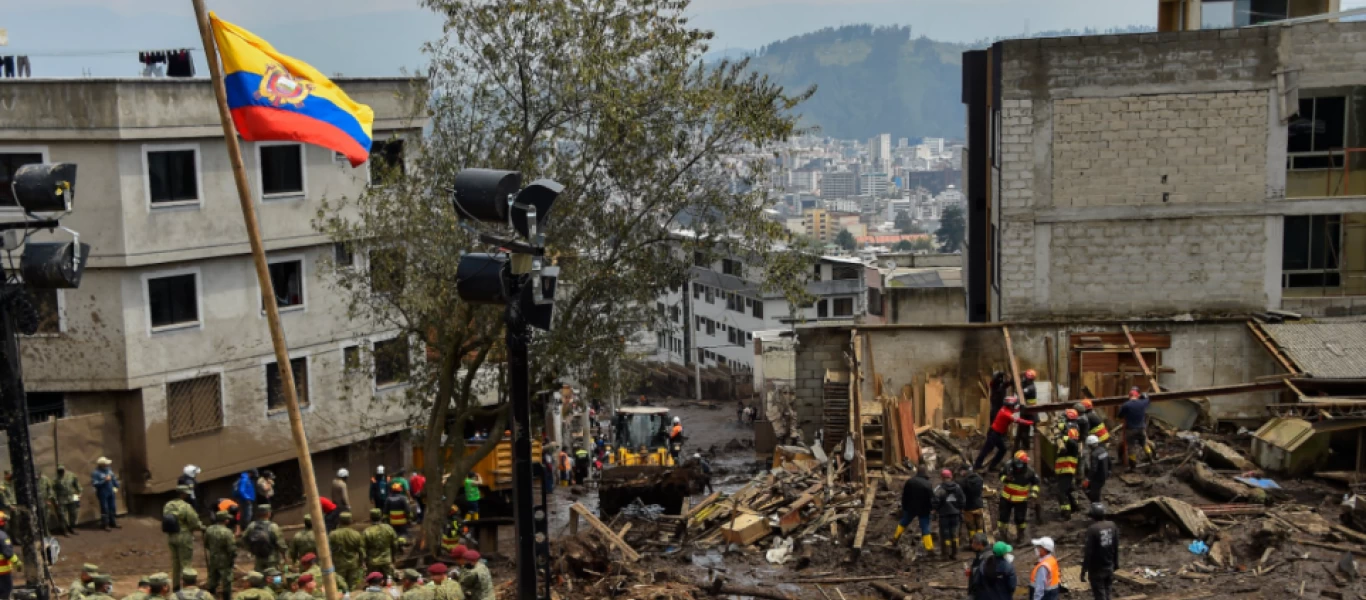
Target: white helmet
(1092, 440)
(697, 456)
(676, 420)
(343, 473)
(191, 471)
(379, 470)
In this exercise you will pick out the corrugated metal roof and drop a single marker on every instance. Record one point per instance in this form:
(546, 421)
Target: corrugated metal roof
(1324, 350)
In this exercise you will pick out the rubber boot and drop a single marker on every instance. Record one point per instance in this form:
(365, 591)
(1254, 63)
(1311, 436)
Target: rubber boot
(947, 551)
(1066, 511)
(900, 529)
(1002, 531)
(1020, 536)
(928, 542)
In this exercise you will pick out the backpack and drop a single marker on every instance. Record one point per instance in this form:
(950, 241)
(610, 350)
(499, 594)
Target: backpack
(260, 539)
(169, 523)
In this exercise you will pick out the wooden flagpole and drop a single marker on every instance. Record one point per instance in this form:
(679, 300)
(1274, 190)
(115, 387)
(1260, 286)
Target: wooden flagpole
(277, 333)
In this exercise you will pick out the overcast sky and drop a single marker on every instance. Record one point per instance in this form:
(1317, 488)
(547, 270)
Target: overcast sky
(380, 37)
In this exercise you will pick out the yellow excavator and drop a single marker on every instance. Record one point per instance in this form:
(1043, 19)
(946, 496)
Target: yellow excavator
(641, 436)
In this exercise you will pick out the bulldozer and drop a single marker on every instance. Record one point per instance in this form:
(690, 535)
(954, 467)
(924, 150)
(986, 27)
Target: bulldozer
(641, 437)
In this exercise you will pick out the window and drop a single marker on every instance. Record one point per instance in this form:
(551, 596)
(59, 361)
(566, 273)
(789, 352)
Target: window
(675, 315)
(9, 164)
(874, 301)
(342, 255)
(282, 169)
(45, 405)
(816, 272)
(697, 322)
(1319, 128)
(351, 358)
(194, 406)
(391, 361)
(1227, 14)
(387, 270)
(711, 297)
(172, 176)
(699, 260)
(732, 267)
(844, 272)
(386, 160)
(49, 306)
(275, 396)
(287, 281)
(731, 335)
(822, 309)
(659, 340)
(758, 309)
(174, 300)
(844, 307)
(696, 291)
(711, 327)
(1311, 250)
(659, 307)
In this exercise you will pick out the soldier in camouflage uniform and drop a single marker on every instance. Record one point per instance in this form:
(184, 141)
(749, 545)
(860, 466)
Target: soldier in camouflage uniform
(292, 589)
(78, 589)
(103, 587)
(413, 588)
(308, 585)
(181, 542)
(443, 587)
(144, 587)
(68, 491)
(374, 588)
(381, 544)
(475, 578)
(189, 590)
(308, 563)
(303, 542)
(348, 553)
(275, 581)
(275, 546)
(256, 588)
(221, 547)
(158, 585)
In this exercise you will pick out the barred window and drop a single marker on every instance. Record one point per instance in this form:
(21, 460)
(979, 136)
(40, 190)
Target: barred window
(194, 406)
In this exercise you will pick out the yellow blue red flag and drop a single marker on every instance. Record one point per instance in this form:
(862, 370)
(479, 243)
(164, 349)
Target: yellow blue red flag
(276, 97)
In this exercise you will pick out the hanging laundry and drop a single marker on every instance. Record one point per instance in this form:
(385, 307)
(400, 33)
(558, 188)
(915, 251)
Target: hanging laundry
(7, 64)
(24, 68)
(179, 64)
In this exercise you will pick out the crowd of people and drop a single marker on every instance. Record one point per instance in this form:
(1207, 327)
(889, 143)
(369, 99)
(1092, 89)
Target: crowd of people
(1080, 440)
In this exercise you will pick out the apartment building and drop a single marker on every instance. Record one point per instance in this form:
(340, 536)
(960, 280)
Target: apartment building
(1194, 15)
(839, 184)
(715, 317)
(166, 333)
(1211, 172)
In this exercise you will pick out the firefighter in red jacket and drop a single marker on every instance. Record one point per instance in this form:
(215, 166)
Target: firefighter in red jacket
(996, 436)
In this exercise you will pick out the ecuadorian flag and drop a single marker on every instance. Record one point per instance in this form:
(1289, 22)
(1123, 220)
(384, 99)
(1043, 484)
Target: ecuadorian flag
(276, 97)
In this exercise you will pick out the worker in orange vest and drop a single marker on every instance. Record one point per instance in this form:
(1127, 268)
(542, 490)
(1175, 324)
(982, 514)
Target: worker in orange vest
(8, 561)
(676, 439)
(1045, 579)
(566, 467)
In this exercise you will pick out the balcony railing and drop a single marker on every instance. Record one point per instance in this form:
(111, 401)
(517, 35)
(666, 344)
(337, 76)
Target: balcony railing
(1340, 172)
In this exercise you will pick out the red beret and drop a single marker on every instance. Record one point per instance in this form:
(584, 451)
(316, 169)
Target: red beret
(306, 579)
(376, 576)
(458, 550)
(437, 569)
(471, 555)
(310, 557)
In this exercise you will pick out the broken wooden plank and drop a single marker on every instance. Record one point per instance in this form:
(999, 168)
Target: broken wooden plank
(701, 505)
(934, 402)
(1285, 361)
(815, 580)
(909, 444)
(868, 497)
(612, 537)
(1228, 457)
(1328, 546)
(1134, 579)
(1218, 390)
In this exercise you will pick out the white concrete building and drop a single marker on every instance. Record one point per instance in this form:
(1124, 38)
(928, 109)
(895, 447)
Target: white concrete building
(166, 332)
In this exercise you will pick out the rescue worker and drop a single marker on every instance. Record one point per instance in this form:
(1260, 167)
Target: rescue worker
(948, 502)
(396, 507)
(256, 588)
(451, 532)
(47, 493)
(1024, 434)
(330, 511)
(413, 588)
(1019, 484)
(9, 561)
(1096, 421)
(917, 503)
(980, 553)
(1134, 412)
(475, 579)
(565, 466)
(1100, 556)
(1045, 578)
(1000, 388)
(78, 588)
(417, 483)
(381, 544)
(994, 578)
(348, 553)
(996, 435)
(102, 587)
(341, 494)
(374, 588)
(1065, 462)
(676, 439)
(581, 463)
(189, 586)
(974, 509)
(106, 486)
(443, 587)
(221, 547)
(1097, 468)
(472, 496)
(68, 489)
(303, 542)
(7, 500)
(190, 476)
(180, 516)
(379, 484)
(264, 540)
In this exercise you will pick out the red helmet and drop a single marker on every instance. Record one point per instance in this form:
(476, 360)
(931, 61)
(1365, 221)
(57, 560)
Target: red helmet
(1070, 414)
(1030, 374)
(1087, 404)
(946, 474)
(1022, 456)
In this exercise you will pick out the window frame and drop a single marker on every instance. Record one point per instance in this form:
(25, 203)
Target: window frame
(40, 150)
(261, 176)
(835, 305)
(346, 369)
(303, 283)
(338, 248)
(222, 399)
(1337, 247)
(198, 323)
(196, 203)
(61, 317)
(1336, 158)
(305, 404)
(374, 357)
(369, 171)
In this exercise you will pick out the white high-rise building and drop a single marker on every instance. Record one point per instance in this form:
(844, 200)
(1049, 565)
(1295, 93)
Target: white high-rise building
(880, 151)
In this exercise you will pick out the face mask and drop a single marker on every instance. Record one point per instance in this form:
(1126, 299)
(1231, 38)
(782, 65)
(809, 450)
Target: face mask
(277, 581)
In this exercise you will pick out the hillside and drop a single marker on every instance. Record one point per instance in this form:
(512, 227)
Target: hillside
(871, 80)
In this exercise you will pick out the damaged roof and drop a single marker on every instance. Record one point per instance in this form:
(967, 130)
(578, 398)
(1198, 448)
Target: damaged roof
(1323, 350)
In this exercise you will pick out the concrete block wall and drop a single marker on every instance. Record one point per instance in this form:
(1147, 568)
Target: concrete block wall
(1153, 150)
(818, 349)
